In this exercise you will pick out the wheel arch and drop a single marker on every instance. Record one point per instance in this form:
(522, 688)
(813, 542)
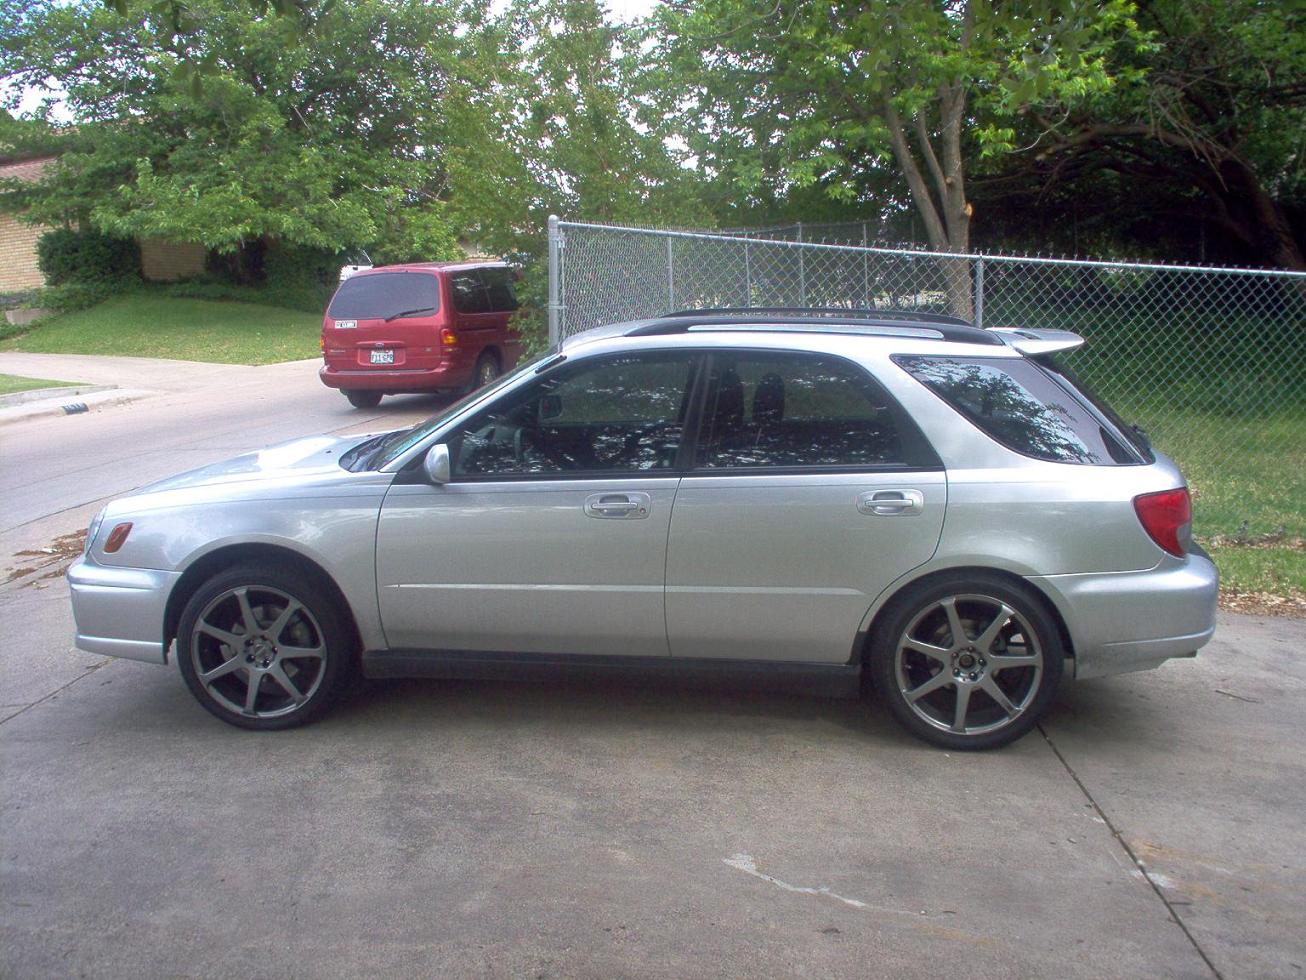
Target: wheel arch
(883, 607)
(213, 562)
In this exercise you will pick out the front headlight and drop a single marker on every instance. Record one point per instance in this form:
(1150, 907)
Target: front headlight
(93, 530)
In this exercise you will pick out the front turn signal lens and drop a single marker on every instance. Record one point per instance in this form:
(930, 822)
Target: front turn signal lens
(117, 538)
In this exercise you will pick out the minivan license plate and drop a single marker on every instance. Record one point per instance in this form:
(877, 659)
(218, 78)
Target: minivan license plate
(383, 357)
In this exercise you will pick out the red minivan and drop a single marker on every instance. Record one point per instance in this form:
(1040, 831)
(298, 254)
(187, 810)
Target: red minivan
(432, 326)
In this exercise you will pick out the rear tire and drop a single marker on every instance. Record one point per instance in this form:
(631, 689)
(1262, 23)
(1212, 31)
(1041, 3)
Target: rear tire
(967, 661)
(364, 399)
(487, 369)
(265, 647)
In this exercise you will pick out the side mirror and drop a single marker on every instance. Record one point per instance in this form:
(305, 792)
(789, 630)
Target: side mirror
(436, 464)
(550, 407)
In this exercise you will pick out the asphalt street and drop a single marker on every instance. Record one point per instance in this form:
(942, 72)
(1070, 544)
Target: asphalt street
(1152, 828)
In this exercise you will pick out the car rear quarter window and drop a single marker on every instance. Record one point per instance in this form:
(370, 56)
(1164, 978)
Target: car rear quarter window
(1017, 404)
(385, 294)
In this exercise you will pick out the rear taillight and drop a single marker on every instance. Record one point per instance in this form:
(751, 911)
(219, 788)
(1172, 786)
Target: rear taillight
(1167, 518)
(448, 338)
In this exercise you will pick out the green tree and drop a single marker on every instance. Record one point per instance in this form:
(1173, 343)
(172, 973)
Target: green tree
(1209, 123)
(208, 122)
(791, 93)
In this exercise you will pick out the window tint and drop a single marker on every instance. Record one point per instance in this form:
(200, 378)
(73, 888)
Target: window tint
(384, 294)
(1019, 406)
(794, 409)
(620, 414)
(499, 291)
(468, 292)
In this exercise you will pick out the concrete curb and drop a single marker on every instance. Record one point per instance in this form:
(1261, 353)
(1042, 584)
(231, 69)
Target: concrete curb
(38, 394)
(71, 404)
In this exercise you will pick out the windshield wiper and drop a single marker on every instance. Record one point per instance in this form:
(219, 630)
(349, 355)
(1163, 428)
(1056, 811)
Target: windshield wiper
(420, 309)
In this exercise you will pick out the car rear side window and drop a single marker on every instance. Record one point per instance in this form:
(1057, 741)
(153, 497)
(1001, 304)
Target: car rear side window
(1020, 406)
(385, 294)
(469, 295)
(499, 291)
(784, 409)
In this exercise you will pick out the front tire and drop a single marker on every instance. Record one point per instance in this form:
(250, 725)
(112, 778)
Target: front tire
(364, 399)
(968, 661)
(264, 647)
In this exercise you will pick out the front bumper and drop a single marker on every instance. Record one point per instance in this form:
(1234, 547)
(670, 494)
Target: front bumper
(1126, 621)
(119, 611)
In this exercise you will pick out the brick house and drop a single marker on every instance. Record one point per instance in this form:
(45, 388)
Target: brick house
(160, 261)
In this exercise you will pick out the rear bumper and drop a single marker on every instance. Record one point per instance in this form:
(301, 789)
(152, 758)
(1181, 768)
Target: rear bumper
(119, 611)
(445, 377)
(1127, 621)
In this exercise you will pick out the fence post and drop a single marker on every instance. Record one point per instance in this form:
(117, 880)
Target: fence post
(748, 277)
(555, 292)
(802, 269)
(866, 271)
(979, 291)
(671, 276)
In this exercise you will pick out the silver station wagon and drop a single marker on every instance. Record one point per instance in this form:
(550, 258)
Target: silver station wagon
(801, 497)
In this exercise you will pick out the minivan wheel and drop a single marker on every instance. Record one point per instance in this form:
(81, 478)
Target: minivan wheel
(487, 369)
(263, 647)
(364, 399)
(968, 662)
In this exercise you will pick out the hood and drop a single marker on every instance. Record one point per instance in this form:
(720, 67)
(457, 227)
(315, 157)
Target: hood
(299, 459)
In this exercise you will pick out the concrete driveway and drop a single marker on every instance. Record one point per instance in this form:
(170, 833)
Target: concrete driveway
(1153, 828)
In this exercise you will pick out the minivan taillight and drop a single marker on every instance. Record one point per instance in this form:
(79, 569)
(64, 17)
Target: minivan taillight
(1167, 517)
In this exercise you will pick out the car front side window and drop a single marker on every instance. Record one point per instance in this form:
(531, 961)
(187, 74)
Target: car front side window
(613, 415)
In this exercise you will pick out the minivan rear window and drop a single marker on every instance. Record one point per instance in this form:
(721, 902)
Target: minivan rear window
(1022, 407)
(385, 294)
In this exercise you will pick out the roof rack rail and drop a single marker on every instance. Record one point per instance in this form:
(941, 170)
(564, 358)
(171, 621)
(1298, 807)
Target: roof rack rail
(855, 313)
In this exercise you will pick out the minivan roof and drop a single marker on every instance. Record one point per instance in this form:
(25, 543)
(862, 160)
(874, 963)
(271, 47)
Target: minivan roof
(434, 266)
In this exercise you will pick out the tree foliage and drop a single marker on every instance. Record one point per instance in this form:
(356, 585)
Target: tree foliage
(317, 133)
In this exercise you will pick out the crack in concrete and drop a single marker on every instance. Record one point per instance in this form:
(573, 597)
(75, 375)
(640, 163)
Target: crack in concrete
(1134, 858)
(58, 690)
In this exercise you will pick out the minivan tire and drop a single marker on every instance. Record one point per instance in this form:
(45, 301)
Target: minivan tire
(364, 399)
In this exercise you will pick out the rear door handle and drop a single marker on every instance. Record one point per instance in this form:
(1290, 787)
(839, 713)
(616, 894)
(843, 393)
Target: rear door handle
(629, 506)
(891, 503)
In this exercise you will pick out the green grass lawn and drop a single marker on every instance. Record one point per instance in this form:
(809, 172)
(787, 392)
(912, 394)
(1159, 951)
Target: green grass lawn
(184, 329)
(10, 383)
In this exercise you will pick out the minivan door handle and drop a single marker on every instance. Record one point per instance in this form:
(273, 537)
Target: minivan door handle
(891, 503)
(629, 506)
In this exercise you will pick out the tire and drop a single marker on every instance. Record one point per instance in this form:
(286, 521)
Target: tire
(487, 369)
(982, 692)
(220, 654)
(364, 399)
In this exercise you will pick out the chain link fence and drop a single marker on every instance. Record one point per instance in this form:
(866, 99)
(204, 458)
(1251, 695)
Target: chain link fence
(1208, 360)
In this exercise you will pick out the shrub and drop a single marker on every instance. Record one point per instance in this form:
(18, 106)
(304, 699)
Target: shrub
(70, 296)
(65, 255)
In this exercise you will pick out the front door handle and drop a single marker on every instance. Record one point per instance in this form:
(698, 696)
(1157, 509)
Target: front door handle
(891, 503)
(630, 506)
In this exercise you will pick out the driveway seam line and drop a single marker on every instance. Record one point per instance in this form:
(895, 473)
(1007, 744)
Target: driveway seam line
(1134, 859)
(58, 690)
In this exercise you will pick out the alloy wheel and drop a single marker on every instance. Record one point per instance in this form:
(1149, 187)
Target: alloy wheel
(969, 664)
(258, 651)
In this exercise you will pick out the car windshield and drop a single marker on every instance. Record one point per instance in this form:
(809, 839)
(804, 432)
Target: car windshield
(377, 452)
(380, 295)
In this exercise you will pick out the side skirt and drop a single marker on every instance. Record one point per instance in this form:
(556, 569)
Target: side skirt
(820, 680)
